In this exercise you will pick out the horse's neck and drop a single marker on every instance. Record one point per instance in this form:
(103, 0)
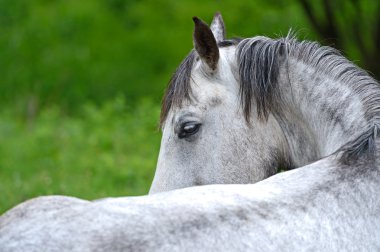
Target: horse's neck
(317, 113)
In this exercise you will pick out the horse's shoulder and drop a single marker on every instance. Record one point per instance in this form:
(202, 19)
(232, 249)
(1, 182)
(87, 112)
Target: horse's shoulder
(39, 206)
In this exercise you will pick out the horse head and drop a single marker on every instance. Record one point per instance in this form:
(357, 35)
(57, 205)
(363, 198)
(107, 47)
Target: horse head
(207, 139)
(237, 110)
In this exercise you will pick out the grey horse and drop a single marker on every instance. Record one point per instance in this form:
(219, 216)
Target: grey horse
(237, 110)
(234, 112)
(324, 206)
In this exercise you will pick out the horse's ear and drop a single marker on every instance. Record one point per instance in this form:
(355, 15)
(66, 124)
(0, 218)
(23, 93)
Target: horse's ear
(205, 43)
(218, 28)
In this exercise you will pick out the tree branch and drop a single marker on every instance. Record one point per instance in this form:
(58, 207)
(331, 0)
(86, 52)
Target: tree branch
(310, 15)
(331, 31)
(357, 35)
(376, 31)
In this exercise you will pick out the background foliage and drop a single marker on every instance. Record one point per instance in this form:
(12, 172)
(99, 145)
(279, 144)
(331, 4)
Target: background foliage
(81, 83)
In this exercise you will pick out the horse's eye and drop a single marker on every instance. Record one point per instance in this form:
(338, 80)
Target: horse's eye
(188, 129)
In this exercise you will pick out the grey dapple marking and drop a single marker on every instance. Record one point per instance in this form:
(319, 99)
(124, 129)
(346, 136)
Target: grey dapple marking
(329, 205)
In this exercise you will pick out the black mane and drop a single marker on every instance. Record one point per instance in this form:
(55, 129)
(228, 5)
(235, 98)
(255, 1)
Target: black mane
(179, 88)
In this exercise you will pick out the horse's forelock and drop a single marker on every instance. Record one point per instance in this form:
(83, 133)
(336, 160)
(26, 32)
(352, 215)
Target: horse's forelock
(179, 88)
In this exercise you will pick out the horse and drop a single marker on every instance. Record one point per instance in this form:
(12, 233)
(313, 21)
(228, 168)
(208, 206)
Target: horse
(234, 112)
(324, 206)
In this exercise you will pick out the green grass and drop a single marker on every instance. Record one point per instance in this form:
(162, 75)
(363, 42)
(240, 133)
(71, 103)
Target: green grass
(103, 151)
(66, 52)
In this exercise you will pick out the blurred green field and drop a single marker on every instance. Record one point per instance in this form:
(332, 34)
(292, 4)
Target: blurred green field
(66, 52)
(103, 151)
(81, 84)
